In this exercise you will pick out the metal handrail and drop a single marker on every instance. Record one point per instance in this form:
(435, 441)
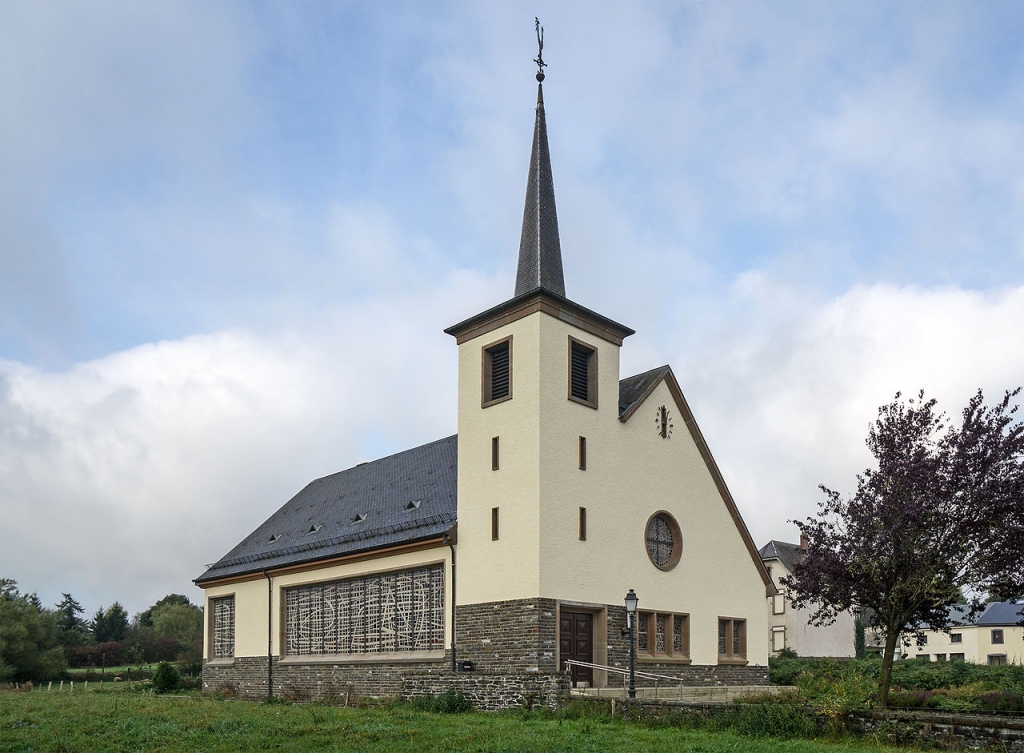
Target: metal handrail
(620, 671)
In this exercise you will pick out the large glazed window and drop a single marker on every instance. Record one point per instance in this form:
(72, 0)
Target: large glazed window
(385, 613)
(664, 540)
(497, 372)
(222, 631)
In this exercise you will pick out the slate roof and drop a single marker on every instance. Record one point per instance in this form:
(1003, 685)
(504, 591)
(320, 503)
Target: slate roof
(1002, 613)
(635, 388)
(404, 498)
(540, 252)
(787, 554)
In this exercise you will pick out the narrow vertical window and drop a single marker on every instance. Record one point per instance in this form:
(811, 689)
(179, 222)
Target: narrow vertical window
(494, 453)
(583, 453)
(732, 641)
(496, 382)
(494, 524)
(582, 373)
(583, 524)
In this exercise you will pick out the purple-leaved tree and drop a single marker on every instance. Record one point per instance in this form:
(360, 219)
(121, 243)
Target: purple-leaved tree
(943, 511)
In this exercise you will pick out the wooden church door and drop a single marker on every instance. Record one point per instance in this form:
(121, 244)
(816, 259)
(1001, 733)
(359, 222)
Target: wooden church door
(576, 641)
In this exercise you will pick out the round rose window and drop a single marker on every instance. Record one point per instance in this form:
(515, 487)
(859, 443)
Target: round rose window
(664, 540)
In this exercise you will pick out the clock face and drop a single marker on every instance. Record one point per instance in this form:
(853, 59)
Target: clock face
(663, 422)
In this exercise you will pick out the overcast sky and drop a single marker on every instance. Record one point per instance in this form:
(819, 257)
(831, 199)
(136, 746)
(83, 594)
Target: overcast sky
(232, 233)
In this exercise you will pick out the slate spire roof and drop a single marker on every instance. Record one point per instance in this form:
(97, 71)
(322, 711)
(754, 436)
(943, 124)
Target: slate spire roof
(540, 254)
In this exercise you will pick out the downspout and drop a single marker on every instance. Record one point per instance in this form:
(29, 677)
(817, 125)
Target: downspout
(446, 540)
(270, 635)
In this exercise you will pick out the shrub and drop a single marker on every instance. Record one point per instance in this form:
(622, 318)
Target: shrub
(452, 702)
(1000, 700)
(772, 720)
(166, 678)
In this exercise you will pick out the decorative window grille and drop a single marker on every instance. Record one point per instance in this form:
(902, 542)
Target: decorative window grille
(732, 639)
(664, 541)
(385, 613)
(663, 635)
(223, 633)
(642, 618)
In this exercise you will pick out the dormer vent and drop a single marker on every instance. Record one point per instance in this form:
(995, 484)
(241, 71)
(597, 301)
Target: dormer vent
(358, 518)
(413, 505)
(274, 537)
(314, 528)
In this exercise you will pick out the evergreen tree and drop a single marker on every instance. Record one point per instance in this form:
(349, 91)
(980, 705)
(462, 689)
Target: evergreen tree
(71, 628)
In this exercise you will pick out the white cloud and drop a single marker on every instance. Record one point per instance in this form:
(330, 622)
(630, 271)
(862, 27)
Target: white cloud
(786, 397)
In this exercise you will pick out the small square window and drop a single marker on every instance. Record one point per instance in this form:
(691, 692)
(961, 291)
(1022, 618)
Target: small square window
(997, 636)
(956, 638)
(956, 657)
(997, 659)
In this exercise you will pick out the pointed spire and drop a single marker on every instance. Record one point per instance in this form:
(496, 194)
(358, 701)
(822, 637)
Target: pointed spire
(540, 254)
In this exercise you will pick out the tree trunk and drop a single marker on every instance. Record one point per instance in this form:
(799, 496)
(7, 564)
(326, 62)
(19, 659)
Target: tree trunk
(892, 636)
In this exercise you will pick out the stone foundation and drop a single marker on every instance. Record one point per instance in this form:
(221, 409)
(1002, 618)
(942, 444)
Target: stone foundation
(513, 648)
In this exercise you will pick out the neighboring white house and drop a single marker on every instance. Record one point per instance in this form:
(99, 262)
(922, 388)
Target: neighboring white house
(789, 626)
(995, 637)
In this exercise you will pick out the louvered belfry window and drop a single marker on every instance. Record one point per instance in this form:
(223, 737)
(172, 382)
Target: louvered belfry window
(582, 373)
(497, 372)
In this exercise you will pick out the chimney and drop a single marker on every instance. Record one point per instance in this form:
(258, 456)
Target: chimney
(803, 542)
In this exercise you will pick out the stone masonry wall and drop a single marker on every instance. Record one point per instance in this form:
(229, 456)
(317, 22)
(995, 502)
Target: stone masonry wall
(512, 646)
(508, 636)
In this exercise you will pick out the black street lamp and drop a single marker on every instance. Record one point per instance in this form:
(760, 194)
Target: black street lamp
(631, 602)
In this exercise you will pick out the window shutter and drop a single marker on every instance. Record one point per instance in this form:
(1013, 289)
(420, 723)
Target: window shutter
(580, 380)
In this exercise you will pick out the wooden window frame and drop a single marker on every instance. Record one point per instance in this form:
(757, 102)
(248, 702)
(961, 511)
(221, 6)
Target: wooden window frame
(778, 630)
(583, 453)
(998, 637)
(732, 655)
(583, 524)
(779, 603)
(494, 453)
(649, 622)
(494, 524)
(591, 400)
(486, 374)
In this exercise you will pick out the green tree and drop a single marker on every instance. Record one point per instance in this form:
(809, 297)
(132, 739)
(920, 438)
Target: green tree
(29, 647)
(183, 623)
(146, 618)
(72, 629)
(110, 624)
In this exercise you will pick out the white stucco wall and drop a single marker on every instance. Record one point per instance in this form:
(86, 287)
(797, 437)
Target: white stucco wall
(632, 472)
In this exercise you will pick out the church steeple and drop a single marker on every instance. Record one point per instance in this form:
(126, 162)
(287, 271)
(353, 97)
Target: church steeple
(540, 254)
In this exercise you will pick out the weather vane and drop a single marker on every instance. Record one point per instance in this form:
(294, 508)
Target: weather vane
(540, 49)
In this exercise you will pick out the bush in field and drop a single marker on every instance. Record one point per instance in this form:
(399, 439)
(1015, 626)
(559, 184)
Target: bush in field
(772, 720)
(166, 678)
(1000, 700)
(448, 702)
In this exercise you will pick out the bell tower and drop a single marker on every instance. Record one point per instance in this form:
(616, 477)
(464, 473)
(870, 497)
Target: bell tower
(538, 383)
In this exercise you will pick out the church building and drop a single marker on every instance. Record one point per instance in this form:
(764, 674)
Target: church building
(482, 562)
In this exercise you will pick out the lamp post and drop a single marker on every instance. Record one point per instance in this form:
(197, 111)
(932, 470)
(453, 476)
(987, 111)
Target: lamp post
(631, 602)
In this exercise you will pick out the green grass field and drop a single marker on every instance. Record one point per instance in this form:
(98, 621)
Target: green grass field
(119, 721)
